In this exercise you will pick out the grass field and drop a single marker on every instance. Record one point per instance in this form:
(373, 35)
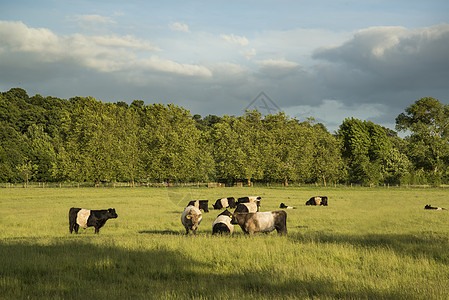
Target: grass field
(367, 244)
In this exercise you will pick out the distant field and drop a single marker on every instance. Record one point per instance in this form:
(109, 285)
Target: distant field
(367, 244)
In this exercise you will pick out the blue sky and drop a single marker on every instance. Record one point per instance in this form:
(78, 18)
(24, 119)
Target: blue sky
(324, 59)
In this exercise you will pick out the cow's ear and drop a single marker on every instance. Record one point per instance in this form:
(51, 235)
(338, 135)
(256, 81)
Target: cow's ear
(188, 217)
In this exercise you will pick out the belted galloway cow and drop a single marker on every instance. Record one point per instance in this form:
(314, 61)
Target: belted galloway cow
(191, 218)
(317, 201)
(247, 207)
(224, 203)
(87, 218)
(261, 221)
(222, 223)
(200, 204)
(286, 206)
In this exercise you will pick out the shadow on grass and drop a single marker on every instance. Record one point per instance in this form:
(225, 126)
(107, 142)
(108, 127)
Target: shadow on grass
(430, 246)
(77, 269)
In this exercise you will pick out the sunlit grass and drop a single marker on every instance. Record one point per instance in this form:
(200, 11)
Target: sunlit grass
(367, 244)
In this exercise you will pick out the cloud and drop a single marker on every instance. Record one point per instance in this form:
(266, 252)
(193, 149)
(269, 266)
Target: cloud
(179, 27)
(99, 53)
(277, 67)
(235, 39)
(386, 65)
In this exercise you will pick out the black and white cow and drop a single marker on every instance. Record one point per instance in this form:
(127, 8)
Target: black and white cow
(87, 218)
(318, 200)
(200, 204)
(247, 207)
(261, 221)
(249, 199)
(224, 203)
(191, 218)
(222, 223)
(432, 207)
(286, 207)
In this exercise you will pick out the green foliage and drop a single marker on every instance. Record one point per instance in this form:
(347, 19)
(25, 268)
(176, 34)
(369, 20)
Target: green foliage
(428, 121)
(87, 140)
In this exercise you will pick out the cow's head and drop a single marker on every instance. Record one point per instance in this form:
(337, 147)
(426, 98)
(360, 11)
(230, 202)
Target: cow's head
(192, 220)
(111, 213)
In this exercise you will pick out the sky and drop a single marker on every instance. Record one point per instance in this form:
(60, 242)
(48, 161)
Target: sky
(329, 60)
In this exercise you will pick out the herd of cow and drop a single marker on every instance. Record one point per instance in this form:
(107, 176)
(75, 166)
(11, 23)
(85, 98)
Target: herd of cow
(246, 215)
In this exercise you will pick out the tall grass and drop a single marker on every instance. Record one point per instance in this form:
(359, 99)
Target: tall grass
(367, 244)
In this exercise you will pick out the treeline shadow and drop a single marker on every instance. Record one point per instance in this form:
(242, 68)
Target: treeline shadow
(431, 246)
(78, 269)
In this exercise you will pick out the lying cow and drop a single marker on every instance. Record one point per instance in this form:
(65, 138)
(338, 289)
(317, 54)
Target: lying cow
(87, 218)
(191, 218)
(222, 223)
(286, 207)
(261, 221)
(249, 199)
(224, 203)
(317, 201)
(432, 207)
(200, 204)
(247, 207)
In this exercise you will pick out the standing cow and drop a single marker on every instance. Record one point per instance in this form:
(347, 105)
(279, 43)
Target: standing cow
(317, 201)
(247, 207)
(87, 218)
(222, 223)
(261, 221)
(200, 204)
(224, 203)
(191, 218)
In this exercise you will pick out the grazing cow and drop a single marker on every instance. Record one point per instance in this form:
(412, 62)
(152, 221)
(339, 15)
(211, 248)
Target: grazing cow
(286, 207)
(261, 221)
(191, 218)
(224, 203)
(432, 207)
(247, 207)
(200, 204)
(222, 223)
(317, 201)
(87, 218)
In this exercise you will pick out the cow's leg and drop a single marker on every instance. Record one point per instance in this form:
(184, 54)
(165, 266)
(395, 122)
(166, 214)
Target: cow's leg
(97, 229)
(71, 225)
(187, 230)
(76, 228)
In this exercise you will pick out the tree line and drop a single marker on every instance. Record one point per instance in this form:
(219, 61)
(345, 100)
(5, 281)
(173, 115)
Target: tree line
(85, 140)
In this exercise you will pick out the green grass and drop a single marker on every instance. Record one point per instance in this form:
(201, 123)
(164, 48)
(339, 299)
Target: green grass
(367, 244)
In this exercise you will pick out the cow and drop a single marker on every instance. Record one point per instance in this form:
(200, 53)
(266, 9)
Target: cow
(249, 199)
(87, 218)
(247, 207)
(317, 201)
(432, 207)
(261, 221)
(191, 218)
(286, 207)
(222, 223)
(224, 203)
(200, 204)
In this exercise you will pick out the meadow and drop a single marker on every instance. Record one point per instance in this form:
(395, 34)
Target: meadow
(369, 243)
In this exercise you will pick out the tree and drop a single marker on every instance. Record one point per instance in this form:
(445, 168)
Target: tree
(428, 121)
(365, 145)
